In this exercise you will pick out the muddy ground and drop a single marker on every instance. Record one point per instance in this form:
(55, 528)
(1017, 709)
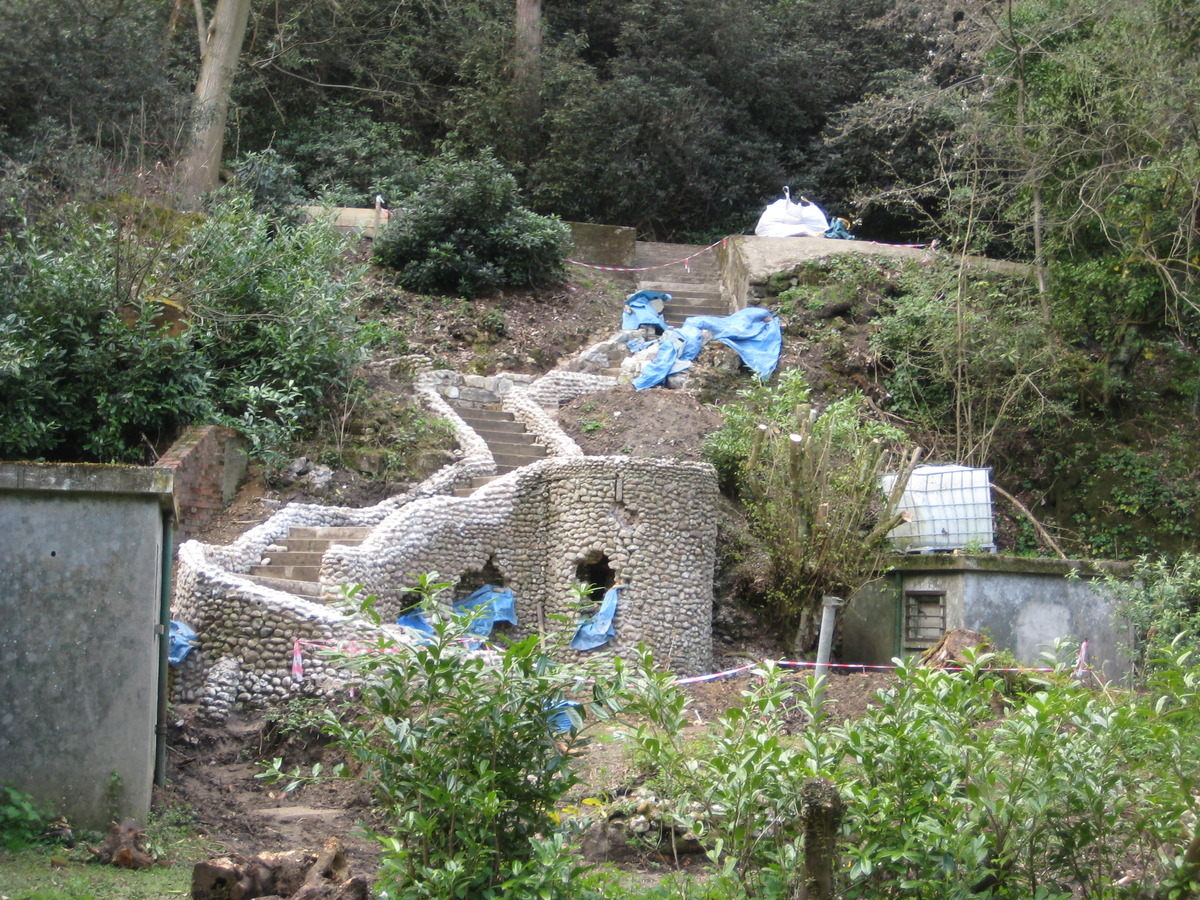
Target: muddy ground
(212, 769)
(212, 773)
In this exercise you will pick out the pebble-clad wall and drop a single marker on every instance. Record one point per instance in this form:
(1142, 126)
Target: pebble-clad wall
(542, 530)
(649, 523)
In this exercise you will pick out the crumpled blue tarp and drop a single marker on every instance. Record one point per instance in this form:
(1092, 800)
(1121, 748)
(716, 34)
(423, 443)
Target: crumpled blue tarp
(666, 362)
(753, 332)
(497, 605)
(639, 311)
(417, 623)
(838, 231)
(180, 640)
(559, 716)
(596, 631)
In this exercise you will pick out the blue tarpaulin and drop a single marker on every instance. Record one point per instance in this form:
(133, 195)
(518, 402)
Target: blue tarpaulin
(753, 332)
(180, 640)
(666, 362)
(596, 631)
(487, 606)
(639, 311)
(559, 715)
(417, 623)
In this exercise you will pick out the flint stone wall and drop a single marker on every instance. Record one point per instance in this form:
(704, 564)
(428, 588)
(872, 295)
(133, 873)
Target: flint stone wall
(649, 521)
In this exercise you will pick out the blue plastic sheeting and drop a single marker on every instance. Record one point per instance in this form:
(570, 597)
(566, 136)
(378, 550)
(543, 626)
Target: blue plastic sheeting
(419, 624)
(559, 716)
(666, 362)
(753, 332)
(639, 311)
(838, 231)
(489, 605)
(597, 630)
(180, 640)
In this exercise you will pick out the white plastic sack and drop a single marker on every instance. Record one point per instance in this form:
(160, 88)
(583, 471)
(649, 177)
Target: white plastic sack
(783, 218)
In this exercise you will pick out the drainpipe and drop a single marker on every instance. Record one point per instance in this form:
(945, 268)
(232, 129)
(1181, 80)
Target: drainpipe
(164, 630)
(825, 643)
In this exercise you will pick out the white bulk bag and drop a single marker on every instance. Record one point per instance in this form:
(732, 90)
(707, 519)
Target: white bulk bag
(783, 218)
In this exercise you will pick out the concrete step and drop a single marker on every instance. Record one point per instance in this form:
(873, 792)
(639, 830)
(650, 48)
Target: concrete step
(315, 545)
(310, 590)
(335, 533)
(505, 448)
(699, 269)
(288, 573)
(291, 557)
(496, 426)
(682, 291)
(477, 482)
(505, 437)
(480, 414)
(506, 462)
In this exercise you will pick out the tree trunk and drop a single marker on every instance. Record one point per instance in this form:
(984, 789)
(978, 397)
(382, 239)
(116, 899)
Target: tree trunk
(528, 54)
(201, 163)
(822, 810)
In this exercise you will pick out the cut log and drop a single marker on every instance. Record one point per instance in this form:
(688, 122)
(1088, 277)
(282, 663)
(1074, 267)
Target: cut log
(294, 875)
(124, 847)
(950, 651)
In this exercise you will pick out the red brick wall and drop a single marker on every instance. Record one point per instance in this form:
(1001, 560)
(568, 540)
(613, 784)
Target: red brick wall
(199, 460)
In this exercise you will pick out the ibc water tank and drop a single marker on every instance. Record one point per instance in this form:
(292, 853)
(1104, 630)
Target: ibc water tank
(950, 508)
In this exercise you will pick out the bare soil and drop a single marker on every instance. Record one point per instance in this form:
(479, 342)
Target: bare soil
(212, 768)
(212, 773)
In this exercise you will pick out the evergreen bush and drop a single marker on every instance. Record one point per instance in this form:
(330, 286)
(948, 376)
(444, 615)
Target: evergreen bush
(464, 231)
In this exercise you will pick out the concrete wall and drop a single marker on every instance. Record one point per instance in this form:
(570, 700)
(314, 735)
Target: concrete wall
(80, 581)
(1024, 605)
(602, 245)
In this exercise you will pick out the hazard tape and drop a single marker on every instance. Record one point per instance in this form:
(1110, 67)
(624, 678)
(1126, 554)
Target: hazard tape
(352, 648)
(676, 262)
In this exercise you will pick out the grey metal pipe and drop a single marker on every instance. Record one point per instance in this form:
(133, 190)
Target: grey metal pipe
(164, 625)
(825, 643)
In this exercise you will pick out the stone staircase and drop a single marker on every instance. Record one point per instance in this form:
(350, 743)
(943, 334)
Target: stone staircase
(511, 445)
(694, 286)
(297, 567)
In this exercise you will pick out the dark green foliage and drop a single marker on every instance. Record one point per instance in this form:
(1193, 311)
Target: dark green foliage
(464, 231)
(346, 158)
(100, 66)
(21, 822)
(88, 370)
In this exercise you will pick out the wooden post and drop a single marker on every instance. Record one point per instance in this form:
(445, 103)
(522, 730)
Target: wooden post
(821, 809)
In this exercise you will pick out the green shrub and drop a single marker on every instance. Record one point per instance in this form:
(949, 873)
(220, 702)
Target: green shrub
(90, 372)
(465, 764)
(464, 231)
(21, 822)
(810, 485)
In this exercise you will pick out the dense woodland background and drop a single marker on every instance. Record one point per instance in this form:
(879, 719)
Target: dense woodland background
(1062, 134)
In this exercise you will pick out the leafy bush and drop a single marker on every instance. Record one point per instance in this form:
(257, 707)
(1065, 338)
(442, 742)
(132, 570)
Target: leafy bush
(463, 231)
(951, 791)
(465, 762)
(811, 487)
(21, 822)
(90, 370)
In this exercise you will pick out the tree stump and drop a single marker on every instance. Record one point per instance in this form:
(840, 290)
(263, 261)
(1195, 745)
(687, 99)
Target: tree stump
(821, 811)
(294, 875)
(949, 652)
(125, 847)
